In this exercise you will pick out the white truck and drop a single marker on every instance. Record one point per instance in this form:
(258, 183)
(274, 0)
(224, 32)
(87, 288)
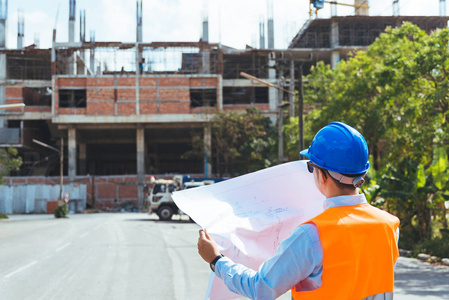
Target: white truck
(159, 193)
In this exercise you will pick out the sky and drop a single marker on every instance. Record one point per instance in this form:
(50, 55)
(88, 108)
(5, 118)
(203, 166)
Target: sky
(233, 23)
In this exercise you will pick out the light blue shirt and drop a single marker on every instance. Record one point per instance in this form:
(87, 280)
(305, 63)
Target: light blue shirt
(298, 258)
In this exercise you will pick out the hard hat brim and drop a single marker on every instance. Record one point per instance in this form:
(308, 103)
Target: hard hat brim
(305, 152)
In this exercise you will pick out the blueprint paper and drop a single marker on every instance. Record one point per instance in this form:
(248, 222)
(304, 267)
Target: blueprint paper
(248, 216)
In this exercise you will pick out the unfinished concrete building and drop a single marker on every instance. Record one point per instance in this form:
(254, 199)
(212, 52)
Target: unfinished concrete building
(331, 40)
(121, 112)
(127, 110)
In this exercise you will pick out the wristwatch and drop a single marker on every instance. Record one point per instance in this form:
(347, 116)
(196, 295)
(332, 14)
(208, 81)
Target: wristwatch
(212, 264)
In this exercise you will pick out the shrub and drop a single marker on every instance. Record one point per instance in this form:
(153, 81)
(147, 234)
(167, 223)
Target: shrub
(61, 211)
(436, 246)
(408, 238)
(3, 216)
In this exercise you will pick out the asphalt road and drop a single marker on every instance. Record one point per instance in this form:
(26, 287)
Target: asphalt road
(134, 256)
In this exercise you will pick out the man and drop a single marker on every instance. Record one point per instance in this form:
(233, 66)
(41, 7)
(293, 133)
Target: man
(347, 252)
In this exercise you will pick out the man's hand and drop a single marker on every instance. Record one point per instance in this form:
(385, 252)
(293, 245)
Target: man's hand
(207, 247)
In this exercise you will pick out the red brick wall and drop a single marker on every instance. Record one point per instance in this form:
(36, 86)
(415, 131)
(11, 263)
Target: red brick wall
(65, 82)
(102, 107)
(13, 92)
(175, 107)
(116, 96)
(13, 95)
(148, 94)
(126, 94)
(100, 81)
(147, 82)
(148, 107)
(174, 81)
(196, 82)
(126, 108)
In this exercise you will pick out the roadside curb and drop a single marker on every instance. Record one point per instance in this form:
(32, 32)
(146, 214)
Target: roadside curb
(425, 257)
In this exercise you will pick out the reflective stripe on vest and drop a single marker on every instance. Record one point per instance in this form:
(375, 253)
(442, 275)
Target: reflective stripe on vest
(359, 252)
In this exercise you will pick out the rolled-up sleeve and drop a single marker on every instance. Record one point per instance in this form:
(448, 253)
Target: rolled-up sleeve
(298, 259)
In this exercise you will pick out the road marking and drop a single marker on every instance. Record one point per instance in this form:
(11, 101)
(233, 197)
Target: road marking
(20, 269)
(62, 247)
(84, 234)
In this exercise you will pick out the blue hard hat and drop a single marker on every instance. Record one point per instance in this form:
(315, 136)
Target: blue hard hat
(340, 148)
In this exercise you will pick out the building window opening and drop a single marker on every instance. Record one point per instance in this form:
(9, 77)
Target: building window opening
(261, 94)
(14, 123)
(72, 98)
(203, 97)
(37, 96)
(244, 95)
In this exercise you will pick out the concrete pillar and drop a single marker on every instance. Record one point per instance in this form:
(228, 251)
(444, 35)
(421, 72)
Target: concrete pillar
(92, 60)
(138, 72)
(140, 139)
(70, 63)
(335, 58)
(3, 33)
(280, 122)
(2, 86)
(207, 151)
(72, 31)
(270, 24)
(82, 159)
(205, 36)
(19, 42)
(205, 62)
(334, 35)
(139, 63)
(292, 89)
(270, 27)
(335, 43)
(220, 93)
(92, 53)
(261, 35)
(442, 8)
(272, 94)
(139, 13)
(72, 154)
(80, 67)
(72, 11)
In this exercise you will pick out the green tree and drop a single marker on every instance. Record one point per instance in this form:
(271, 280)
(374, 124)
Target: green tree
(396, 93)
(440, 174)
(9, 161)
(241, 142)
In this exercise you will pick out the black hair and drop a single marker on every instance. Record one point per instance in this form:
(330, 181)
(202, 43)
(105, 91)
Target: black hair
(343, 186)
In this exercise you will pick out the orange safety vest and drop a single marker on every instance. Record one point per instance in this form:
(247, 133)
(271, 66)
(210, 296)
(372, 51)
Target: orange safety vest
(359, 252)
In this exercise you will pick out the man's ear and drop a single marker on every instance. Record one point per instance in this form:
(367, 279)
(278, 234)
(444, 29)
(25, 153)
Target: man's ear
(323, 175)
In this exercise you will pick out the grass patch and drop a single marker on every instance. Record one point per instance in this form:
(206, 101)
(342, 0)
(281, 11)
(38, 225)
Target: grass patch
(3, 216)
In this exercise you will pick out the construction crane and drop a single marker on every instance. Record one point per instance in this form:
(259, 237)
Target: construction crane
(319, 4)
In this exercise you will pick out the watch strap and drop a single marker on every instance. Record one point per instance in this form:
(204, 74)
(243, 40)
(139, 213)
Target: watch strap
(212, 263)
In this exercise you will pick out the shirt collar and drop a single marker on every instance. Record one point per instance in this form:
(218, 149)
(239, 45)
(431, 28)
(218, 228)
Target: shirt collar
(344, 200)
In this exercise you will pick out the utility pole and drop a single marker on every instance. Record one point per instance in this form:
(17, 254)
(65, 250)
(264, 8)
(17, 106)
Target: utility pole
(292, 94)
(281, 106)
(300, 111)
